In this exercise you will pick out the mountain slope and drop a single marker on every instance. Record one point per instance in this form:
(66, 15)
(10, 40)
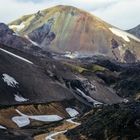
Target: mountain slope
(21, 76)
(34, 79)
(66, 28)
(135, 31)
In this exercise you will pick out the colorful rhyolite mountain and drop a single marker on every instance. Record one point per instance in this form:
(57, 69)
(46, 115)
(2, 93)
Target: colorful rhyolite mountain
(68, 29)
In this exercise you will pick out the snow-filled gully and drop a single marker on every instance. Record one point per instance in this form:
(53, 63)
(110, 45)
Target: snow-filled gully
(73, 113)
(17, 56)
(54, 134)
(77, 90)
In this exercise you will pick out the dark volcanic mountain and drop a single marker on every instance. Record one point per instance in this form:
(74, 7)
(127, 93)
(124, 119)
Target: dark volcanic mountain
(135, 31)
(22, 76)
(42, 80)
(10, 38)
(68, 29)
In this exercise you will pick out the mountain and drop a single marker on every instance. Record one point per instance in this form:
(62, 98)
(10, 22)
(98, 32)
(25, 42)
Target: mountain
(113, 122)
(68, 29)
(63, 76)
(135, 31)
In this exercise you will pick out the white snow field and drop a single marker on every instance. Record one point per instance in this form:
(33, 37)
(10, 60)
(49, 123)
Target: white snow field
(24, 120)
(72, 112)
(17, 27)
(123, 34)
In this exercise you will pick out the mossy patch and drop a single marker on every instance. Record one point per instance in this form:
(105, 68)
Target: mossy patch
(78, 69)
(96, 68)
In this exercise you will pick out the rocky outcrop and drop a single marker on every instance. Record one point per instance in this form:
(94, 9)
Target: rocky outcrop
(10, 38)
(111, 122)
(43, 34)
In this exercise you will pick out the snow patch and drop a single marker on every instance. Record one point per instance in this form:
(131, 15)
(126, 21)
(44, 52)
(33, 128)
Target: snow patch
(2, 127)
(19, 98)
(50, 137)
(71, 121)
(17, 27)
(33, 42)
(71, 55)
(9, 80)
(46, 118)
(24, 120)
(125, 100)
(16, 34)
(89, 99)
(19, 57)
(77, 55)
(72, 112)
(124, 34)
(21, 121)
(54, 134)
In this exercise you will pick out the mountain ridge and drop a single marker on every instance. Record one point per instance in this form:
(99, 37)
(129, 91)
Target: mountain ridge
(135, 31)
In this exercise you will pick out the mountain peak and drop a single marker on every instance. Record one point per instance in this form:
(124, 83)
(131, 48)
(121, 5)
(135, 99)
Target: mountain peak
(64, 7)
(4, 29)
(135, 31)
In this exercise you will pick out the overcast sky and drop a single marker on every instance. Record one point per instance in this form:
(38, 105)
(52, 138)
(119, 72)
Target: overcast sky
(121, 13)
